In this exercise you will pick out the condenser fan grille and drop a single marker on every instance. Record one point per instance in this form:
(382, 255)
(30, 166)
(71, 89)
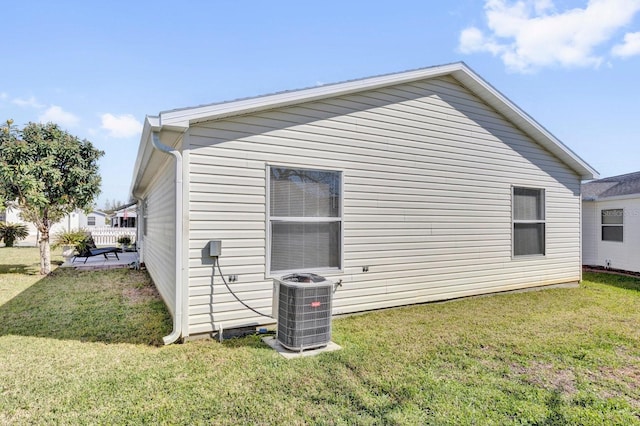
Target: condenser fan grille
(304, 314)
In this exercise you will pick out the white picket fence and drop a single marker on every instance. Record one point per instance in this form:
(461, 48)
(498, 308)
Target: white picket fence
(106, 235)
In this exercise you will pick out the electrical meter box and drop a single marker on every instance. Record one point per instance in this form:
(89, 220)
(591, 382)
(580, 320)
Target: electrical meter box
(215, 247)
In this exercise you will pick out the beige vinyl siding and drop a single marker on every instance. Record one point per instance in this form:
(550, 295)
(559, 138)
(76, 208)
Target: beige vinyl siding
(623, 255)
(159, 243)
(428, 171)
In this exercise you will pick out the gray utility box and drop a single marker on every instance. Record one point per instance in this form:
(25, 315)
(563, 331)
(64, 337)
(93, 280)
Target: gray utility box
(302, 306)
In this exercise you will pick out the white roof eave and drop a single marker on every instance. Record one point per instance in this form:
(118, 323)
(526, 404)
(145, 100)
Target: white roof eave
(614, 198)
(189, 116)
(144, 151)
(523, 121)
(183, 118)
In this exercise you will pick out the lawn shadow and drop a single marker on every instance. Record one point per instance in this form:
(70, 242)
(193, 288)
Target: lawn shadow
(248, 340)
(556, 408)
(117, 306)
(615, 280)
(16, 269)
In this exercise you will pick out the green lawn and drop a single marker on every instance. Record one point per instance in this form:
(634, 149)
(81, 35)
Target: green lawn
(83, 347)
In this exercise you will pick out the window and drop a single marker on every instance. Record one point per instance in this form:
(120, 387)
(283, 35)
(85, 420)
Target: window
(305, 219)
(144, 217)
(612, 224)
(91, 221)
(528, 221)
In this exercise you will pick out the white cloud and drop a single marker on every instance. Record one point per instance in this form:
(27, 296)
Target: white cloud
(542, 6)
(4, 96)
(121, 126)
(472, 40)
(56, 114)
(32, 102)
(532, 34)
(630, 46)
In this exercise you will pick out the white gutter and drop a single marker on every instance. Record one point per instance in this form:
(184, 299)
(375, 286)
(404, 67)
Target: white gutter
(177, 315)
(613, 198)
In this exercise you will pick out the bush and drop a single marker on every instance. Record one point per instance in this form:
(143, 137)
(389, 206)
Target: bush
(10, 232)
(69, 238)
(125, 240)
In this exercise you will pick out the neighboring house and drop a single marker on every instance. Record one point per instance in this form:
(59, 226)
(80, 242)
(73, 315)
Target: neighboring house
(74, 220)
(95, 219)
(125, 217)
(611, 222)
(407, 188)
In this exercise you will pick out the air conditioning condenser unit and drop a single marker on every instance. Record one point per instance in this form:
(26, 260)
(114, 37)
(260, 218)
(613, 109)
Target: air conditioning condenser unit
(302, 306)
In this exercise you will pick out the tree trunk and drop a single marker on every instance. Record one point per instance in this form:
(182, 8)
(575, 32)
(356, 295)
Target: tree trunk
(45, 251)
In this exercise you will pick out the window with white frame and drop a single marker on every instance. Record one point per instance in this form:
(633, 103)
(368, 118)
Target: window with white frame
(145, 215)
(305, 219)
(528, 221)
(612, 224)
(91, 221)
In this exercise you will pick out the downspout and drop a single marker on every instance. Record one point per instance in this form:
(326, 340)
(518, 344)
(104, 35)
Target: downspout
(177, 317)
(139, 233)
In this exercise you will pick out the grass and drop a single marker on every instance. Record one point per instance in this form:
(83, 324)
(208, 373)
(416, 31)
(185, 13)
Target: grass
(83, 348)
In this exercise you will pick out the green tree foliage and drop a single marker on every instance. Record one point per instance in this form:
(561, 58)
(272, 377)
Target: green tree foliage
(10, 232)
(48, 173)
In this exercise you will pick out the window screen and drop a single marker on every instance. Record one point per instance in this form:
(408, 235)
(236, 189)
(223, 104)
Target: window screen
(612, 225)
(528, 221)
(305, 219)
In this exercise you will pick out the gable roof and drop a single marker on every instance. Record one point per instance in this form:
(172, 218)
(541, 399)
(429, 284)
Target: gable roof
(615, 186)
(178, 120)
(130, 207)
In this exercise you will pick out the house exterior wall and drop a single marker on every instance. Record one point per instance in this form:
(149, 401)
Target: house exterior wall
(159, 242)
(590, 232)
(428, 171)
(618, 255)
(125, 218)
(99, 220)
(69, 222)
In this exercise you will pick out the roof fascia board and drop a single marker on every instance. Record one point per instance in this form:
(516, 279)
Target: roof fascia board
(522, 120)
(186, 117)
(142, 159)
(615, 198)
(146, 150)
(183, 118)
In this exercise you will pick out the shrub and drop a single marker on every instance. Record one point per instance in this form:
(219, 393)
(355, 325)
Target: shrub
(10, 232)
(69, 238)
(125, 240)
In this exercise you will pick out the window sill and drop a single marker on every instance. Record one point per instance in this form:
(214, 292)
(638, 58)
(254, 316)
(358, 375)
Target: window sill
(322, 272)
(528, 256)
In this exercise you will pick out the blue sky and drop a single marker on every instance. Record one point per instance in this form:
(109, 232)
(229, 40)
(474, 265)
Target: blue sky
(97, 68)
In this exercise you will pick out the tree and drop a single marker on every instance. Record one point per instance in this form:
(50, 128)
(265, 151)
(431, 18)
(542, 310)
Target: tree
(48, 173)
(10, 232)
(112, 205)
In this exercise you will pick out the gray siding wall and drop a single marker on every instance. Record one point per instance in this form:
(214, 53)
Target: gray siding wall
(428, 172)
(159, 243)
(621, 255)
